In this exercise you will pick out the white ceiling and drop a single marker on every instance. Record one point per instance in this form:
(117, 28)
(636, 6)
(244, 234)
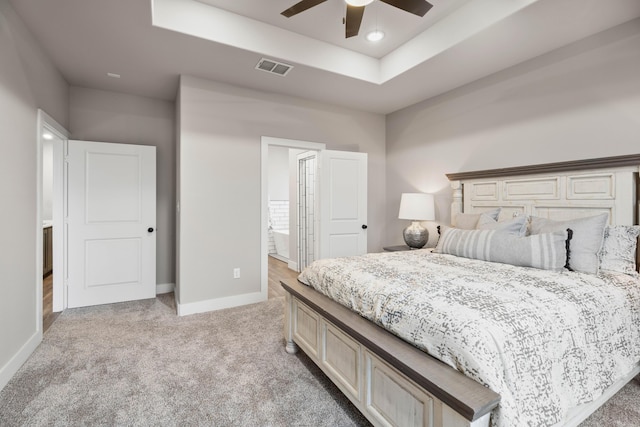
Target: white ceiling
(150, 43)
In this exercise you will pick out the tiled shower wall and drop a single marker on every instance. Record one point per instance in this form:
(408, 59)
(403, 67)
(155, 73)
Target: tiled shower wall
(278, 220)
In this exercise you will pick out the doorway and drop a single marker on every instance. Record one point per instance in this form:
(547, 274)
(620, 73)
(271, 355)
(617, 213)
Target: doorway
(273, 204)
(339, 197)
(49, 140)
(292, 195)
(281, 217)
(291, 208)
(49, 250)
(118, 262)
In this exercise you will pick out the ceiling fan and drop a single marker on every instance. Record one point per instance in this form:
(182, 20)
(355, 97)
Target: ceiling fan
(355, 10)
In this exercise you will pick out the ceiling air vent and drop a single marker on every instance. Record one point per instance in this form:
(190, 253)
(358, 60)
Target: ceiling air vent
(273, 67)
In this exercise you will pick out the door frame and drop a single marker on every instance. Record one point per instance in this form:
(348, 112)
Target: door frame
(266, 142)
(46, 123)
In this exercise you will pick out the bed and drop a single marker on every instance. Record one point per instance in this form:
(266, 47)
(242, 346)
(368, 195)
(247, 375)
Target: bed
(391, 374)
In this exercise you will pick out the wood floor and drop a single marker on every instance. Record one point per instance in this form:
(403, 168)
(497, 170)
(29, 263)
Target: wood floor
(278, 270)
(48, 316)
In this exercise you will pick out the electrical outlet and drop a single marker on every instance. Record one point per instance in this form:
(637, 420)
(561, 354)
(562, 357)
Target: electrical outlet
(236, 273)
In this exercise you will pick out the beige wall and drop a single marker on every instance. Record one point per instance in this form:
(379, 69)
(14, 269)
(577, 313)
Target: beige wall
(220, 148)
(97, 115)
(28, 81)
(579, 102)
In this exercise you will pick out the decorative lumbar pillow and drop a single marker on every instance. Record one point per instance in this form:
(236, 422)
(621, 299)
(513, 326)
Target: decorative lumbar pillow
(517, 225)
(546, 251)
(586, 243)
(619, 249)
(468, 221)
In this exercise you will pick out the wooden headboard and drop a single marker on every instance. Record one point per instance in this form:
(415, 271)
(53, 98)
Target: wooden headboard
(563, 190)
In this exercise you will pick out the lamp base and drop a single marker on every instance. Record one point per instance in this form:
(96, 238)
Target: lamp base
(415, 235)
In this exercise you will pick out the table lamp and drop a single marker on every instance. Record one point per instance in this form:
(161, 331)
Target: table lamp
(416, 207)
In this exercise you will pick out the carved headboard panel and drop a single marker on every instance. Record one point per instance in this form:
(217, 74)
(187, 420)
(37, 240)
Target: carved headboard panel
(558, 196)
(560, 191)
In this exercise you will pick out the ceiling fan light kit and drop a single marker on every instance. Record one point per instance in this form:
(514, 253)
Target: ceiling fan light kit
(355, 10)
(375, 36)
(358, 3)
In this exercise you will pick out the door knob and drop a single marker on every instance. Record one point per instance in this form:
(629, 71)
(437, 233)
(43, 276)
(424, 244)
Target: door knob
(150, 229)
(364, 226)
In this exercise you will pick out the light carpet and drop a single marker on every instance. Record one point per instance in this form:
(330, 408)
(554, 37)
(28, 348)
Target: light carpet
(139, 364)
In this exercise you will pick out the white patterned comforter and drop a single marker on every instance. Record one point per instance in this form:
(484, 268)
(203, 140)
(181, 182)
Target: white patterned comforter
(544, 341)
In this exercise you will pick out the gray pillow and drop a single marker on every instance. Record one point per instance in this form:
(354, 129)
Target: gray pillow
(546, 251)
(619, 249)
(468, 221)
(586, 241)
(517, 225)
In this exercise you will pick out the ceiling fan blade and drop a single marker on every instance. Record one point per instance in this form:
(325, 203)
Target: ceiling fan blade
(353, 20)
(301, 7)
(417, 7)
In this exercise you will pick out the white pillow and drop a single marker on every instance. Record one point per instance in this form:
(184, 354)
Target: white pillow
(469, 221)
(516, 225)
(619, 249)
(545, 251)
(586, 242)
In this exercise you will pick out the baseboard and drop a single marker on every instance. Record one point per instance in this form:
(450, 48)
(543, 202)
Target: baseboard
(293, 265)
(165, 288)
(9, 370)
(220, 303)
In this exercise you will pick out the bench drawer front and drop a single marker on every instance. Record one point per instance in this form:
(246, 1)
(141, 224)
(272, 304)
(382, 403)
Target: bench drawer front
(392, 400)
(306, 328)
(342, 358)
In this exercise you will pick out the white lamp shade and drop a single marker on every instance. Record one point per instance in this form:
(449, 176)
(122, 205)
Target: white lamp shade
(417, 207)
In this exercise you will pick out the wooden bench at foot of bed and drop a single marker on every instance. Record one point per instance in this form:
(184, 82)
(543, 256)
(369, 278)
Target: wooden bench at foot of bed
(390, 381)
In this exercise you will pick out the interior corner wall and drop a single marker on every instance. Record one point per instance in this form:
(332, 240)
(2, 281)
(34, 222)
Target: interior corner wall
(28, 81)
(578, 102)
(103, 116)
(220, 190)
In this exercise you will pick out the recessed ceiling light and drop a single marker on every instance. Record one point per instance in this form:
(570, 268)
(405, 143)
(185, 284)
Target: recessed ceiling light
(114, 75)
(375, 36)
(47, 136)
(358, 3)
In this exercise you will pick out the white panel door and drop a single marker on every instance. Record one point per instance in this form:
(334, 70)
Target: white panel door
(111, 223)
(343, 203)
